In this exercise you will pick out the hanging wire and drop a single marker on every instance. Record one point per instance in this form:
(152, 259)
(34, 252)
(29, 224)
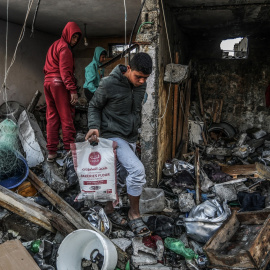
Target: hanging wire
(135, 24)
(125, 28)
(34, 20)
(30, 3)
(5, 92)
(167, 35)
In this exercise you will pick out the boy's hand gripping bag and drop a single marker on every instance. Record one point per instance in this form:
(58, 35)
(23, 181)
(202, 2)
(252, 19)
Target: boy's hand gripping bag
(96, 169)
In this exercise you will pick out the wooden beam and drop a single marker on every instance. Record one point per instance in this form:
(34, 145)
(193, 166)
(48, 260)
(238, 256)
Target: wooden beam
(200, 98)
(186, 117)
(235, 170)
(34, 102)
(34, 212)
(180, 118)
(175, 110)
(197, 176)
(202, 113)
(71, 214)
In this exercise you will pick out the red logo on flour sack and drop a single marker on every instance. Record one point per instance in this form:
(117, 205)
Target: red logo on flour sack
(94, 158)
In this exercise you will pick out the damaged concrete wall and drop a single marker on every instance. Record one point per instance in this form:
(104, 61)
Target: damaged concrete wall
(241, 83)
(26, 75)
(156, 136)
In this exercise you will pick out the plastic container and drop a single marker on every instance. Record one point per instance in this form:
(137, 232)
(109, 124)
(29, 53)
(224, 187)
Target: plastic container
(18, 178)
(152, 200)
(79, 244)
(178, 247)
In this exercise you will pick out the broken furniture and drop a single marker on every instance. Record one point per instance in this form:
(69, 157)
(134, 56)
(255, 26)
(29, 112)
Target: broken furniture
(242, 242)
(14, 256)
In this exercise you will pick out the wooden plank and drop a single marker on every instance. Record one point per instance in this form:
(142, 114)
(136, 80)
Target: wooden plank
(186, 117)
(34, 212)
(202, 113)
(34, 102)
(216, 106)
(253, 217)
(197, 176)
(220, 111)
(175, 110)
(223, 234)
(249, 169)
(71, 214)
(261, 246)
(263, 171)
(180, 117)
(200, 98)
(252, 254)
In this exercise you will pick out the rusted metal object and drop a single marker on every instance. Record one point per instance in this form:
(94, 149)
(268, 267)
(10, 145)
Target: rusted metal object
(242, 242)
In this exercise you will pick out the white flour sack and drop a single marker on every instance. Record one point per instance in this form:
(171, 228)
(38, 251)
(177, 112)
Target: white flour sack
(96, 169)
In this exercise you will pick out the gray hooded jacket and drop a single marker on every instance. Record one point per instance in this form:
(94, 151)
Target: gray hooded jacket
(115, 109)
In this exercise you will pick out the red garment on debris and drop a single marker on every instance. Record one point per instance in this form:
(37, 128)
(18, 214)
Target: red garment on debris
(59, 84)
(267, 96)
(150, 241)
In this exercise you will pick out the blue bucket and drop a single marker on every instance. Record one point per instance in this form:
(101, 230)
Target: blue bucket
(18, 177)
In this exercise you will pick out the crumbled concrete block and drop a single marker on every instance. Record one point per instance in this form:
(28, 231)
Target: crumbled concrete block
(118, 234)
(196, 247)
(220, 151)
(129, 234)
(186, 202)
(26, 229)
(259, 134)
(184, 239)
(138, 245)
(242, 139)
(58, 237)
(266, 153)
(228, 190)
(267, 143)
(157, 266)
(122, 243)
(243, 151)
(206, 183)
(175, 73)
(143, 259)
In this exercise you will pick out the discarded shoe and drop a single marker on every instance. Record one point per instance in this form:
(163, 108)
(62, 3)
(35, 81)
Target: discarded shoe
(138, 227)
(53, 158)
(117, 220)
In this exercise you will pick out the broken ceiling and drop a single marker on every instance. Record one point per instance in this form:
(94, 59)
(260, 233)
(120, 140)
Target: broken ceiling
(222, 19)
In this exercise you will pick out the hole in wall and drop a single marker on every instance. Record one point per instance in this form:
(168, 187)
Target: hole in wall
(146, 17)
(236, 48)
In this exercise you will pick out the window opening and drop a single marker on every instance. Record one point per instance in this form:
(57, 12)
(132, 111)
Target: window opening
(115, 49)
(236, 48)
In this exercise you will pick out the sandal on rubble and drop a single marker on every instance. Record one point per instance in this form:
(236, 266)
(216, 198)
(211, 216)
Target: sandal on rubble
(138, 227)
(117, 220)
(58, 156)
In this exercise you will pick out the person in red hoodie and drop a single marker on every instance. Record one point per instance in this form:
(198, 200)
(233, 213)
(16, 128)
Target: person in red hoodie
(60, 89)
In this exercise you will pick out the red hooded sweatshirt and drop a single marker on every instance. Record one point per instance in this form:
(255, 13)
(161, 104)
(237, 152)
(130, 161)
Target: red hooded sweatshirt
(59, 60)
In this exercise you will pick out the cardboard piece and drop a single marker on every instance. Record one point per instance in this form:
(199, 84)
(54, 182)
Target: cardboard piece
(14, 256)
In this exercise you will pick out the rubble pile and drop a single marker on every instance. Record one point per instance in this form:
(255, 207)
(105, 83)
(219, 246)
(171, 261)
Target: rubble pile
(217, 186)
